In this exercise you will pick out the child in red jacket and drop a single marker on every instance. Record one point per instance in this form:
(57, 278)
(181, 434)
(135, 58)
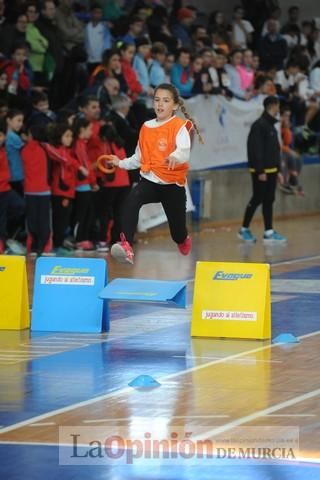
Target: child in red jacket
(11, 204)
(85, 186)
(114, 188)
(63, 173)
(37, 192)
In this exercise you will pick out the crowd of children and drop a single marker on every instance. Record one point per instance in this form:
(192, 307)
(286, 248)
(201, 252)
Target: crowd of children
(54, 197)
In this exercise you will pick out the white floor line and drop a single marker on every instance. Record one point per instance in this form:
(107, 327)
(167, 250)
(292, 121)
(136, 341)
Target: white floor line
(297, 260)
(126, 419)
(43, 424)
(289, 415)
(247, 360)
(255, 415)
(129, 390)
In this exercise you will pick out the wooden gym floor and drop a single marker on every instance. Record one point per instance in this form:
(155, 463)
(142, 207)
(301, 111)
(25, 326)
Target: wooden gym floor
(217, 389)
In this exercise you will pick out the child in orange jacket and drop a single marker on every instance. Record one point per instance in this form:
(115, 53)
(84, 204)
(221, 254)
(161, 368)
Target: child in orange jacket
(162, 154)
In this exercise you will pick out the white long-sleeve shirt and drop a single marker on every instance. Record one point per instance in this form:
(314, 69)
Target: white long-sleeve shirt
(181, 153)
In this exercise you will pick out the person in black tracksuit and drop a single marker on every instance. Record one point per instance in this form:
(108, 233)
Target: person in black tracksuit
(264, 161)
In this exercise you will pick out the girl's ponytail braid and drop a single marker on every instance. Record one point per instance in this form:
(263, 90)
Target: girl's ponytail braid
(188, 117)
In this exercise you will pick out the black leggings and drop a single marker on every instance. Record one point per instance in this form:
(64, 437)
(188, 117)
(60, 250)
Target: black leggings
(171, 196)
(263, 193)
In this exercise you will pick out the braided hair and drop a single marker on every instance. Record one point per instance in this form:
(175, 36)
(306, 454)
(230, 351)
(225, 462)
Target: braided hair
(179, 101)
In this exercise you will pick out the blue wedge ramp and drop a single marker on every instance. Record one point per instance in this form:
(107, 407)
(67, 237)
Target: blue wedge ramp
(144, 381)
(285, 338)
(151, 291)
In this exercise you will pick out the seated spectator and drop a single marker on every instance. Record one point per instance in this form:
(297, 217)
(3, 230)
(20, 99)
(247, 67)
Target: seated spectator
(121, 105)
(286, 80)
(309, 30)
(11, 35)
(110, 67)
(156, 64)
(275, 14)
(38, 44)
(140, 65)
(19, 76)
(41, 114)
(185, 18)
(293, 19)
(55, 58)
(208, 57)
(272, 48)
(246, 71)
(199, 36)
(294, 37)
(159, 30)
(105, 93)
(218, 42)
(219, 76)
(232, 69)
(135, 29)
(293, 86)
(315, 78)
(201, 79)
(181, 75)
(71, 29)
(258, 11)
(241, 29)
(218, 24)
(111, 10)
(264, 87)
(127, 52)
(255, 63)
(123, 121)
(98, 37)
(291, 161)
(168, 64)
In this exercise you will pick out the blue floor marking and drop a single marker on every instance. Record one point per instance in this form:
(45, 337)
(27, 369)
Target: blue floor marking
(45, 460)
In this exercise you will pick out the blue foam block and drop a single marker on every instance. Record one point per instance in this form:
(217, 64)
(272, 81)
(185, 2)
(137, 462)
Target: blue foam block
(144, 381)
(158, 291)
(285, 338)
(66, 295)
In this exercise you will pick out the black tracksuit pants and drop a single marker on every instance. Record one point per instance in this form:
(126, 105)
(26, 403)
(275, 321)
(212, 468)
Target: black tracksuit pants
(263, 194)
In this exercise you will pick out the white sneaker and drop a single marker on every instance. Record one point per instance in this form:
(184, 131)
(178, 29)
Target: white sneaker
(102, 247)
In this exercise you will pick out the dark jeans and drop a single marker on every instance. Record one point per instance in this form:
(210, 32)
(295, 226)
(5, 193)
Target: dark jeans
(38, 220)
(171, 196)
(11, 210)
(263, 194)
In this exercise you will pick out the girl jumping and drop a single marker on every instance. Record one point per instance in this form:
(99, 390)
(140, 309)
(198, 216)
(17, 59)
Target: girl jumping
(162, 154)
